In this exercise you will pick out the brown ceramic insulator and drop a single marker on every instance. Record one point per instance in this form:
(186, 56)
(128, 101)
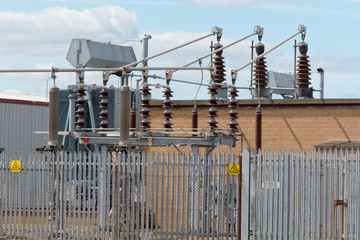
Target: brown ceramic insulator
(80, 103)
(219, 74)
(303, 71)
(80, 91)
(233, 113)
(212, 112)
(80, 108)
(145, 105)
(104, 106)
(104, 93)
(260, 73)
(80, 114)
(80, 124)
(167, 105)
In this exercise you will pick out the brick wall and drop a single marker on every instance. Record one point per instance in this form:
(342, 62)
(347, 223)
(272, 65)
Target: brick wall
(286, 124)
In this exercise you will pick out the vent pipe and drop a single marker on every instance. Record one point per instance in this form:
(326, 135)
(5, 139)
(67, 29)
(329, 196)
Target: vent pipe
(321, 71)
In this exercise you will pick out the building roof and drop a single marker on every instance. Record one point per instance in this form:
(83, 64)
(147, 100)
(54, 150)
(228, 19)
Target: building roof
(23, 99)
(339, 144)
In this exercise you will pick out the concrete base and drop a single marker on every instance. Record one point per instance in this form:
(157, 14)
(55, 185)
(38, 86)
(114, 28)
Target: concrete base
(303, 93)
(264, 93)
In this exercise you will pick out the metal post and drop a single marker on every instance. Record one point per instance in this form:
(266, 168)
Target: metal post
(194, 120)
(88, 98)
(295, 46)
(60, 216)
(258, 119)
(240, 190)
(115, 204)
(71, 114)
(252, 63)
(102, 210)
(145, 42)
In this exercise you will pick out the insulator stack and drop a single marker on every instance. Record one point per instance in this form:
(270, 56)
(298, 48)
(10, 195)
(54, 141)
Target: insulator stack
(217, 78)
(260, 73)
(145, 107)
(212, 112)
(233, 112)
(303, 70)
(104, 106)
(167, 105)
(219, 75)
(80, 107)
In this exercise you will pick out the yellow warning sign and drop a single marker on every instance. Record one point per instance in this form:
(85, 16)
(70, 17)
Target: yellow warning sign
(234, 169)
(15, 166)
(149, 141)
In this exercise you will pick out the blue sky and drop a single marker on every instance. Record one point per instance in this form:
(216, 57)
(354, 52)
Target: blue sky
(37, 34)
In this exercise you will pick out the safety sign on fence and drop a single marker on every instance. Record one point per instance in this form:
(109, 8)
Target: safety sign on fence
(15, 166)
(234, 169)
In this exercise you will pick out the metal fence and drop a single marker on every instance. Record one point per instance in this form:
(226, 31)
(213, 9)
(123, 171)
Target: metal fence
(117, 196)
(305, 194)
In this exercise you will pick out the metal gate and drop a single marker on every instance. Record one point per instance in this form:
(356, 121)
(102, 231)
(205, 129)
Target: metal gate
(117, 196)
(305, 194)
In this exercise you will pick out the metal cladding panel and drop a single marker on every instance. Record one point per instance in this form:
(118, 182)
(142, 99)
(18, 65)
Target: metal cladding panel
(285, 80)
(86, 53)
(18, 122)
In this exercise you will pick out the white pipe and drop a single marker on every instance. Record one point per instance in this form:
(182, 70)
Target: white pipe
(99, 69)
(321, 71)
(145, 42)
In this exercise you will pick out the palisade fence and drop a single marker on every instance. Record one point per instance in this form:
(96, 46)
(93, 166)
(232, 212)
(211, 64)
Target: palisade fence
(304, 194)
(118, 196)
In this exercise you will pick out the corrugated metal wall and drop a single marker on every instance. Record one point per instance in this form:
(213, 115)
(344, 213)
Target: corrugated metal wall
(18, 123)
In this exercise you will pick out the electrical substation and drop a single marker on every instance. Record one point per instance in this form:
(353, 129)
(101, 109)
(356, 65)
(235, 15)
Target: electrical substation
(99, 175)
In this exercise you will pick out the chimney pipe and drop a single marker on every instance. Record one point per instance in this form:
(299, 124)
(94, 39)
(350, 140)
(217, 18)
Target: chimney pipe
(321, 71)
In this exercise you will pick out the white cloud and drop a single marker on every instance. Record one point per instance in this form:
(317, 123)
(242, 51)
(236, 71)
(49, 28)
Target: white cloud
(49, 31)
(227, 2)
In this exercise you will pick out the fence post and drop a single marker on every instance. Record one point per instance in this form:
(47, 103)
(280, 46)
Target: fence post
(240, 189)
(115, 197)
(245, 193)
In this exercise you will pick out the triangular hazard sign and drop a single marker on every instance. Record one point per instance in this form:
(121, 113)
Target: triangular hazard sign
(234, 169)
(15, 166)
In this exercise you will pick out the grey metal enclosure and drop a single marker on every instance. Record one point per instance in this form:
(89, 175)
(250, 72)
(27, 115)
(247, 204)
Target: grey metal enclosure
(19, 120)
